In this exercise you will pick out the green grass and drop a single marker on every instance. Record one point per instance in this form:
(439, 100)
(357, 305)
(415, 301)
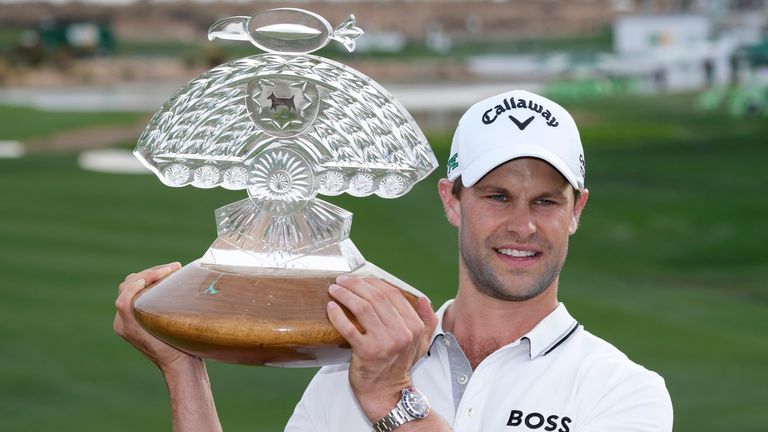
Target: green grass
(20, 123)
(669, 264)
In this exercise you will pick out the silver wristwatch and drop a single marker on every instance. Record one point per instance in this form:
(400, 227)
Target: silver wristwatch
(412, 405)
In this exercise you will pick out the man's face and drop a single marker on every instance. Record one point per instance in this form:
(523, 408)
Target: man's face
(514, 226)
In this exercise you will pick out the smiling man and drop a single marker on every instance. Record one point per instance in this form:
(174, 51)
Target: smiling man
(504, 355)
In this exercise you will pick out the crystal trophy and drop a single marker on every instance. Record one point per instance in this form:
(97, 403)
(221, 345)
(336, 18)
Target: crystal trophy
(284, 126)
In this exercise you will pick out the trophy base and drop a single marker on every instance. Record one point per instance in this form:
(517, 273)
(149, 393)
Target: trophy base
(271, 320)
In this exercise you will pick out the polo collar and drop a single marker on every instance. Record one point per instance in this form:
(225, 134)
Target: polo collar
(440, 314)
(544, 338)
(550, 332)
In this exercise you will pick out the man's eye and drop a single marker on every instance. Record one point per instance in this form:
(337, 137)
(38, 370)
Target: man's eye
(497, 197)
(545, 201)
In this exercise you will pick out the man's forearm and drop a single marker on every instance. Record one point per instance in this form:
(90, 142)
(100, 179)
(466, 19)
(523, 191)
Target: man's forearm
(192, 403)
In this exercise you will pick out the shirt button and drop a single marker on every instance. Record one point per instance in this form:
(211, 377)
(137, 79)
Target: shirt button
(446, 342)
(469, 412)
(462, 379)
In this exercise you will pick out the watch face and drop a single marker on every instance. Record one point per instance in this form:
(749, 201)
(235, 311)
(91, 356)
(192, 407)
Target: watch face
(415, 403)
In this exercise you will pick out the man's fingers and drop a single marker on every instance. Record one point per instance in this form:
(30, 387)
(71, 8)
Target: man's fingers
(363, 311)
(401, 304)
(383, 298)
(172, 265)
(155, 273)
(343, 324)
(391, 296)
(117, 325)
(400, 325)
(128, 291)
(124, 314)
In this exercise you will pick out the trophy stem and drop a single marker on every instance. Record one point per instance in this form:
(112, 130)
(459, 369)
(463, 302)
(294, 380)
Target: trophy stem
(342, 257)
(313, 236)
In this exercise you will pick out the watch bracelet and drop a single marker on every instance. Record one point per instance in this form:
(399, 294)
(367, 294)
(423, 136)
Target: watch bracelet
(396, 418)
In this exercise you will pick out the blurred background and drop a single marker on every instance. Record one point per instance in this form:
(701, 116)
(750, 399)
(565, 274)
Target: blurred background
(670, 263)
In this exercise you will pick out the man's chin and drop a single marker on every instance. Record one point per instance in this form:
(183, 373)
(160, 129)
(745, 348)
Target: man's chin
(511, 294)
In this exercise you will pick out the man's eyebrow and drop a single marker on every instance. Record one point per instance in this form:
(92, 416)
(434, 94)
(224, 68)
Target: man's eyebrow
(490, 188)
(554, 192)
(559, 193)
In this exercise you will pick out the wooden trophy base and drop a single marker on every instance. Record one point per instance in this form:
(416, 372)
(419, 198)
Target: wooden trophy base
(272, 320)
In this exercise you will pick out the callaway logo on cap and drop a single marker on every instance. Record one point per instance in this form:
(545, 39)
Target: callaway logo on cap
(513, 125)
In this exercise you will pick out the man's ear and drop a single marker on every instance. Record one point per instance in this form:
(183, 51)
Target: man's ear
(578, 206)
(451, 204)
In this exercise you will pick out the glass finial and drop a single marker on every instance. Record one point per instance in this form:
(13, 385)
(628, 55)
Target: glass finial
(286, 31)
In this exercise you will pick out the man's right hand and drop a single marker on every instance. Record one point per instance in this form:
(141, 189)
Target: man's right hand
(126, 326)
(192, 405)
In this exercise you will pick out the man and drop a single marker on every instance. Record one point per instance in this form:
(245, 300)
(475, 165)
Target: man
(504, 355)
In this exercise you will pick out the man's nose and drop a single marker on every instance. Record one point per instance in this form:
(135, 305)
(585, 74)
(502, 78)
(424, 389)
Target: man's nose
(520, 221)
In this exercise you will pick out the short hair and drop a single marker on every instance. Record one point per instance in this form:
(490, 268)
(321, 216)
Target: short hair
(458, 186)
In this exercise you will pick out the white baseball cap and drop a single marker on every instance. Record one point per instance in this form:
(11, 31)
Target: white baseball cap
(512, 125)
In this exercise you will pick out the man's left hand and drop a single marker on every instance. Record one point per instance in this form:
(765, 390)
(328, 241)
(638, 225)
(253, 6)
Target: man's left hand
(391, 336)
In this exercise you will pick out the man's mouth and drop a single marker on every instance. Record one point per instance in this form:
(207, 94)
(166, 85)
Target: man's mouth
(517, 253)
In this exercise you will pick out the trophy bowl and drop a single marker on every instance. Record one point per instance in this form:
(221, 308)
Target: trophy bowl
(284, 126)
(277, 320)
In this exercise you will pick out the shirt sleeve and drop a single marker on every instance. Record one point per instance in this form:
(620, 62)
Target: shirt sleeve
(304, 417)
(301, 420)
(636, 402)
(328, 404)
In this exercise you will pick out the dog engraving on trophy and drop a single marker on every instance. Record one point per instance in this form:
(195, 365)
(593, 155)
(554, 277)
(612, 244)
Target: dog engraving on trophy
(278, 101)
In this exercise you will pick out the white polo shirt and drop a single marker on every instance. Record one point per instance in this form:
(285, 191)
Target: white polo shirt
(558, 377)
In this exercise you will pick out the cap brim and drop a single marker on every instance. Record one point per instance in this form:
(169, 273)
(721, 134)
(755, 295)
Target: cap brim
(490, 160)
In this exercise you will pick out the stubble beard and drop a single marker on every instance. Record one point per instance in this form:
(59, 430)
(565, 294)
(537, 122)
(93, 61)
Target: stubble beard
(488, 282)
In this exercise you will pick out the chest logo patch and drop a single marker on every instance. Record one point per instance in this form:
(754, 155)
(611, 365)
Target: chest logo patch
(537, 421)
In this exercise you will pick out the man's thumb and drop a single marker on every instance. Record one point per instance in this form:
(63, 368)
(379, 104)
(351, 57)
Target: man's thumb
(427, 315)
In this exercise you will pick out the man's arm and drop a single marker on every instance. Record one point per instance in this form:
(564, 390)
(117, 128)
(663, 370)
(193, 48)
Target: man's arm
(185, 375)
(391, 337)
